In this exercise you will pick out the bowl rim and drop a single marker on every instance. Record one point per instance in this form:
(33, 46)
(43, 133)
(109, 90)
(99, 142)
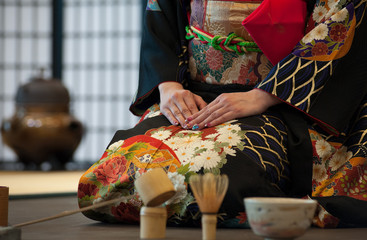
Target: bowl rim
(278, 200)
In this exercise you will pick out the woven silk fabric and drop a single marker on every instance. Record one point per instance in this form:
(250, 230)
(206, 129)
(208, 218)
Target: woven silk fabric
(220, 18)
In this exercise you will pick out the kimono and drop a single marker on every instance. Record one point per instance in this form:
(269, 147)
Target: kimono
(312, 145)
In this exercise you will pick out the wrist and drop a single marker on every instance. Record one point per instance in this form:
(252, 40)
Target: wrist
(170, 84)
(266, 98)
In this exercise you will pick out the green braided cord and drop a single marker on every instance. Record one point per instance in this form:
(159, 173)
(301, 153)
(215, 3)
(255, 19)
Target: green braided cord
(189, 34)
(216, 42)
(229, 38)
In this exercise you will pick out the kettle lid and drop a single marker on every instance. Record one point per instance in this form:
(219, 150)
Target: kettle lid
(42, 91)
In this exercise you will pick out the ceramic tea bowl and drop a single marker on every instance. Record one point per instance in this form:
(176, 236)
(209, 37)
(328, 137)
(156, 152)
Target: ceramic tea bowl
(279, 218)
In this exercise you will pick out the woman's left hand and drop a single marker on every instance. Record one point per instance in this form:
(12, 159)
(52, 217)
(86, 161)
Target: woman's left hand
(229, 106)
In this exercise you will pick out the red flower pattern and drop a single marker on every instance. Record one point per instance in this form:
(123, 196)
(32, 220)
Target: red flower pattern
(242, 217)
(214, 58)
(247, 75)
(338, 33)
(125, 212)
(320, 48)
(109, 171)
(86, 190)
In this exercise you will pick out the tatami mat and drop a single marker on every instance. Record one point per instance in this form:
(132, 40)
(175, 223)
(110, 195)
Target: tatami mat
(31, 183)
(78, 227)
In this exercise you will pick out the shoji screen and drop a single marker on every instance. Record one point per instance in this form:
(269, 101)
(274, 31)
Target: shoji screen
(101, 40)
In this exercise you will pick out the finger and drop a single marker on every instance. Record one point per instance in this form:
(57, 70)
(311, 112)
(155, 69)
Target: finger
(206, 115)
(221, 119)
(205, 109)
(187, 105)
(176, 112)
(167, 113)
(190, 106)
(200, 102)
(178, 99)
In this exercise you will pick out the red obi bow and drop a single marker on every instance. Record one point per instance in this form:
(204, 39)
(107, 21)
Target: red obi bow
(277, 26)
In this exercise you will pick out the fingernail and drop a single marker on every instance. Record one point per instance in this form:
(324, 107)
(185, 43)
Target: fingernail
(188, 119)
(207, 124)
(195, 127)
(175, 123)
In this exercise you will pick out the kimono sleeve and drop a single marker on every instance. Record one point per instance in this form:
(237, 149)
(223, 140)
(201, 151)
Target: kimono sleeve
(162, 51)
(325, 76)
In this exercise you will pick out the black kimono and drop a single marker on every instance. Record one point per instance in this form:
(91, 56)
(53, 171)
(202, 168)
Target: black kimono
(313, 144)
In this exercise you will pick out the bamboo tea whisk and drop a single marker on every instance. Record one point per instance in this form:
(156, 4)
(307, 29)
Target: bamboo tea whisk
(209, 191)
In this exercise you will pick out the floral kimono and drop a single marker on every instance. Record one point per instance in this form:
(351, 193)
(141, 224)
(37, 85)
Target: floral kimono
(312, 145)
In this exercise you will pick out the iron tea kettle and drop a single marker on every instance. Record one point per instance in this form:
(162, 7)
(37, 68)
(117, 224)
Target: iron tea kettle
(42, 128)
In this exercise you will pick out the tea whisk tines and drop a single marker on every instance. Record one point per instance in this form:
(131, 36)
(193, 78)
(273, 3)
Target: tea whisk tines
(209, 191)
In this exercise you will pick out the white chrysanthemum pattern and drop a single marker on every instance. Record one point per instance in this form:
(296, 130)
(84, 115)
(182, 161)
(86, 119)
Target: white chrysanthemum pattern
(210, 159)
(308, 38)
(319, 173)
(174, 142)
(229, 137)
(161, 134)
(320, 32)
(319, 13)
(340, 16)
(199, 151)
(229, 151)
(178, 182)
(332, 3)
(184, 155)
(323, 148)
(204, 144)
(196, 163)
(340, 157)
(116, 145)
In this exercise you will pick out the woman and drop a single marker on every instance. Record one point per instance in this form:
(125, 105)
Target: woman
(277, 124)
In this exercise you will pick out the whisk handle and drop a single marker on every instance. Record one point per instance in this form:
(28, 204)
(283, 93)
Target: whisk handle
(209, 226)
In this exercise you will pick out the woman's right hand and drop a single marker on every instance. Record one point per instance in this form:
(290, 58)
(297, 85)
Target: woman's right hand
(177, 103)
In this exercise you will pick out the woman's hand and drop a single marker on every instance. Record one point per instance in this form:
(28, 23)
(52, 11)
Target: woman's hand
(177, 104)
(229, 106)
